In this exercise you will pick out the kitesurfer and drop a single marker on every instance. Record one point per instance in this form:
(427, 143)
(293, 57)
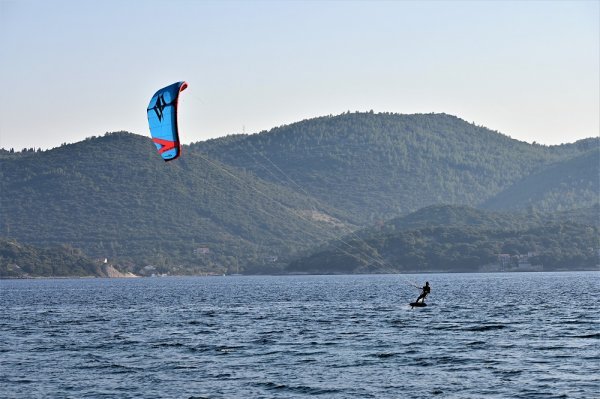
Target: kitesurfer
(425, 291)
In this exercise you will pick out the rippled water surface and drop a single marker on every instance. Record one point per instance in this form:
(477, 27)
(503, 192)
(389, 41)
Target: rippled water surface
(529, 335)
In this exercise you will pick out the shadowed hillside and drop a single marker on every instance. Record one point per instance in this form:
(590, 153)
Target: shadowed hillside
(565, 185)
(462, 239)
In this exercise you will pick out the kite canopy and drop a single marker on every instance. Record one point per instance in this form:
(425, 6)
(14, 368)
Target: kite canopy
(162, 118)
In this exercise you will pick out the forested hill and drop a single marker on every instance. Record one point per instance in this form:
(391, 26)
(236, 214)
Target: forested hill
(464, 216)
(462, 239)
(248, 203)
(20, 260)
(379, 166)
(568, 184)
(114, 197)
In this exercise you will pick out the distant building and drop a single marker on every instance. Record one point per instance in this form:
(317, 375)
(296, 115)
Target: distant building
(504, 260)
(524, 264)
(518, 263)
(147, 270)
(202, 251)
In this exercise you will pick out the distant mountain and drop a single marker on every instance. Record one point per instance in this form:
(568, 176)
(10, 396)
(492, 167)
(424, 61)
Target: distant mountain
(452, 215)
(113, 197)
(567, 184)
(378, 166)
(464, 216)
(251, 203)
(461, 239)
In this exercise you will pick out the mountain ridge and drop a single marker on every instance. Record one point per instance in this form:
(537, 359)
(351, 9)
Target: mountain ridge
(400, 162)
(251, 203)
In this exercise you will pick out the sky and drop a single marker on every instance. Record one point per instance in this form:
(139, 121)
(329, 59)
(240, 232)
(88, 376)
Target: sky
(75, 69)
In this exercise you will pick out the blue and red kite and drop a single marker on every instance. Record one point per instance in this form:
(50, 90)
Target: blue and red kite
(162, 118)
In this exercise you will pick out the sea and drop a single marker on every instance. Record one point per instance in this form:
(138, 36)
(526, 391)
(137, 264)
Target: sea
(511, 335)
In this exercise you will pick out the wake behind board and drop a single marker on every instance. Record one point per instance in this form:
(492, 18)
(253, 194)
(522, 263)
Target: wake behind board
(418, 304)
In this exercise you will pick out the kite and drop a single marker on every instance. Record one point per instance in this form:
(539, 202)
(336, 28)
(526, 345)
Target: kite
(162, 118)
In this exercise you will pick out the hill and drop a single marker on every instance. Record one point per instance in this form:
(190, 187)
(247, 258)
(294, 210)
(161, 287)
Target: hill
(20, 261)
(464, 216)
(378, 166)
(564, 185)
(251, 203)
(113, 197)
(460, 239)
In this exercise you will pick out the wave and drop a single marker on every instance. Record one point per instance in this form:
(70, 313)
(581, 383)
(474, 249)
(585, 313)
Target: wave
(486, 327)
(301, 389)
(593, 336)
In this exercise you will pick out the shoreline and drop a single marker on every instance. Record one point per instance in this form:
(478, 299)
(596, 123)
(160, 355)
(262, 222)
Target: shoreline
(134, 276)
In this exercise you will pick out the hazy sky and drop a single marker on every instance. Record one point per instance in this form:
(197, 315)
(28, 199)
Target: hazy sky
(74, 69)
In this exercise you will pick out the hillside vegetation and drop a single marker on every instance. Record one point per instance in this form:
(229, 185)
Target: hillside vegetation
(253, 203)
(460, 239)
(378, 166)
(113, 197)
(19, 261)
(567, 184)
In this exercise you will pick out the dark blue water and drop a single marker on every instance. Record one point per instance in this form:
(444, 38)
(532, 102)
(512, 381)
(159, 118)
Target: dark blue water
(528, 335)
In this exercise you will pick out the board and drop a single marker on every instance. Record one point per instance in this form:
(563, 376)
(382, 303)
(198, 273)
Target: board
(418, 304)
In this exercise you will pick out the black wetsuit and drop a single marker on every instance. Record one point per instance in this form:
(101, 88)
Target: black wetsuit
(426, 291)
